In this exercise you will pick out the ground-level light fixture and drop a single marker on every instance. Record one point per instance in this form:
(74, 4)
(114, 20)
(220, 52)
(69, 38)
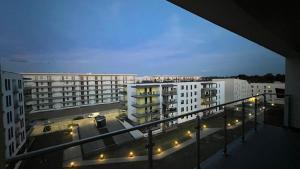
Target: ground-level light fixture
(228, 124)
(71, 127)
(176, 142)
(101, 156)
(204, 126)
(236, 120)
(72, 164)
(250, 114)
(158, 150)
(131, 154)
(71, 132)
(189, 133)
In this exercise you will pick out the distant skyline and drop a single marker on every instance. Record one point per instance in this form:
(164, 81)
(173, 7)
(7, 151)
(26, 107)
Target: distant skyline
(116, 36)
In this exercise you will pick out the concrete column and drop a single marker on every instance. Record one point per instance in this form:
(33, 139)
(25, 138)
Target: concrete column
(292, 85)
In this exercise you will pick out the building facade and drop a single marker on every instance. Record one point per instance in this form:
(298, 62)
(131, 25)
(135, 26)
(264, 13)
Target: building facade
(260, 88)
(235, 89)
(154, 101)
(13, 112)
(50, 91)
(167, 78)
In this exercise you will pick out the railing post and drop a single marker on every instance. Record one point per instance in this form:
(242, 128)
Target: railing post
(225, 133)
(265, 107)
(149, 146)
(198, 141)
(243, 121)
(255, 115)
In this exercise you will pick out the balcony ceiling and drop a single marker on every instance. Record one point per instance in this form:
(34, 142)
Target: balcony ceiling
(272, 24)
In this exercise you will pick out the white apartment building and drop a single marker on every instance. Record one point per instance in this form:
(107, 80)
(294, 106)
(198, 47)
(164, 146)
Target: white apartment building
(167, 78)
(235, 89)
(12, 110)
(153, 101)
(50, 91)
(259, 88)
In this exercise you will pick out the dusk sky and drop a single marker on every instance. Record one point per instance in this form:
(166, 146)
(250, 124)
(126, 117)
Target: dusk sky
(143, 37)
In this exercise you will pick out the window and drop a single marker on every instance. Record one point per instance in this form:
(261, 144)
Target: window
(182, 109)
(8, 100)
(186, 87)
(195, 100)
(195, 86)
(7, 118)
(186, 94)
(186, 109)
(182, 101)
(186, 102)
(182, 94)
(191, 108)
(191, 101)
(182, 87)
(191, 94)
(191, 87)
(195, 93)
(195, 106)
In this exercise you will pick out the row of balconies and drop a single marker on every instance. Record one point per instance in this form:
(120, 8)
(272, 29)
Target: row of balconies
(59, 91)
(72, 101)
(68, 96)
(77, 85)
(76, 80)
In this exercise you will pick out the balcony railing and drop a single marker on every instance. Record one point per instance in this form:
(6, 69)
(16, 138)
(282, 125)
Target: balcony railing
(143, 105)
(145, 114)
(169, 92)
(233, 122)
(169, 101)
(145, 94)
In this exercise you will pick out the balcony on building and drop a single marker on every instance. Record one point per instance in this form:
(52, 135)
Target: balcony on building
(145, 94)
(143, 105)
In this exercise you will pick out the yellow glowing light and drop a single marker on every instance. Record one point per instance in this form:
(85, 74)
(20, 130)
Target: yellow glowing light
(189, 133)
(71, 127)
(204, 126)
(250, 114)
(72, 164)
(252, 99)
(269, 87)
(71, 132)
(101, 156)
(176, 142)
(130, 154)
(228, 124)
(236, 120)
(272, 104)
(159, 150)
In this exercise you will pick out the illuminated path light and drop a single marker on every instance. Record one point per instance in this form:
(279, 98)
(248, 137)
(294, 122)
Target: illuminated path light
(101, 156)
(158, 150)
(131, 154)
(204, 126)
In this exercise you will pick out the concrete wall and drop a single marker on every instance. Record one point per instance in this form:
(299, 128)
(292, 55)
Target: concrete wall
(292, 85)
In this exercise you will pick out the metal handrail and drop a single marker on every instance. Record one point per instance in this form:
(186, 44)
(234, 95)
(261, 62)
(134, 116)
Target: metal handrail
(110, 134)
